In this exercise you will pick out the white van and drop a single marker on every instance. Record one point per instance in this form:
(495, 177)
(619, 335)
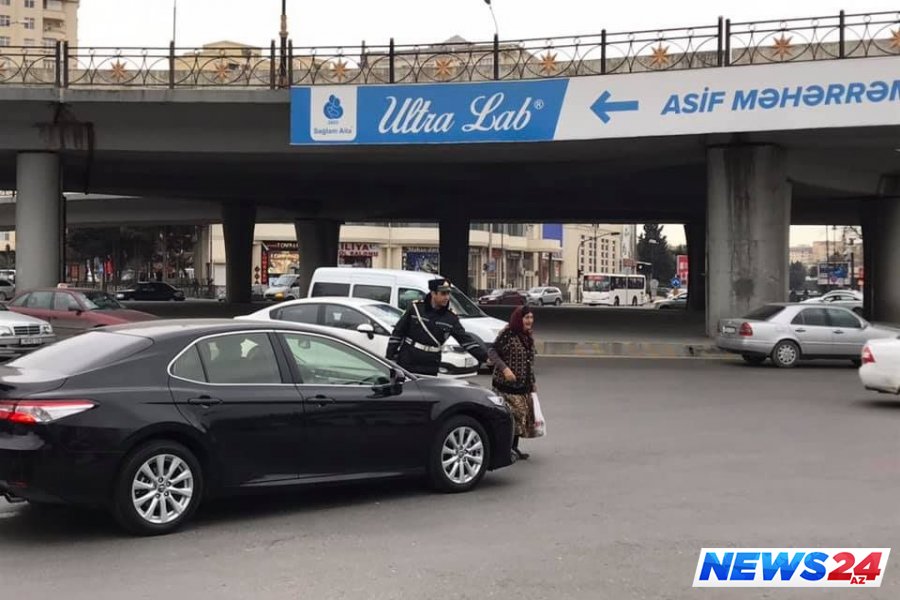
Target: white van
(400, 288)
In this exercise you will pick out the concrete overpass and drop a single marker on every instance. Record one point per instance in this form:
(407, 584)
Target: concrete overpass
(738, 179)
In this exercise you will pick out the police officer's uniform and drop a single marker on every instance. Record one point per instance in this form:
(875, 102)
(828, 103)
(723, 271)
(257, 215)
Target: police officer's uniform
(420, 333)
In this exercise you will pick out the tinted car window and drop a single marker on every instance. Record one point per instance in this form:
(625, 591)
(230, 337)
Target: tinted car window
(42, 300)
(300, 313)
(406, 296)
(188, 366)
(764, 313)
(842, 318)
(330, 289)
(380, 293)
(239, 358)
(815, 317)
(324, 362)
(343, 317)
(63, 301)
(21, 300)
(85, 352)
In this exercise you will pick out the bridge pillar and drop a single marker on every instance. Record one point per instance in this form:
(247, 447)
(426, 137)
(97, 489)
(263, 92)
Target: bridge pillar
(39, 221)
(695, 233)
(318, 241)
(881, 233)
(454, 251)
(238, 222)
(748, 229)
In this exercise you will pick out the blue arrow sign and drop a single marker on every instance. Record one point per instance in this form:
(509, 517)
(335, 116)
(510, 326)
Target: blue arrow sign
(602, 107)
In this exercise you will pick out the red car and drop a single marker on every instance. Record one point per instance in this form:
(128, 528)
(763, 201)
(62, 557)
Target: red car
(72, 310)
(507, 297)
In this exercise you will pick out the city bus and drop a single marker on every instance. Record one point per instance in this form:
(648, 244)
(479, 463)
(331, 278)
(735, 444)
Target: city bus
(613, 289)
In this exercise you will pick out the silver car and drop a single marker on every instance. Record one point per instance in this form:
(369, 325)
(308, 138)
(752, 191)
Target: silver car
(789, 333)
(20, 333)
(542, 296)
(851, 299)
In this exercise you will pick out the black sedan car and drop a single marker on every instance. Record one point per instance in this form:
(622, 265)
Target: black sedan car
(152, 290)
(149, 419)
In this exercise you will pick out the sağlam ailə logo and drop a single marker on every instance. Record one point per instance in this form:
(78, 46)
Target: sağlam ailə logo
(333, 109)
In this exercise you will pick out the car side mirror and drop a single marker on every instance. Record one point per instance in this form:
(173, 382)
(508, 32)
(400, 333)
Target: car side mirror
(367, 329)
(394, 385)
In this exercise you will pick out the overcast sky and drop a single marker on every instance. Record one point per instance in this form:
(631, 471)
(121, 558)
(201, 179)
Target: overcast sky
(148, 23)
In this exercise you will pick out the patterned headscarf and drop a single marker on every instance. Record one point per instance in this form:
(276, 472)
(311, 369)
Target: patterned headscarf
(517, 325)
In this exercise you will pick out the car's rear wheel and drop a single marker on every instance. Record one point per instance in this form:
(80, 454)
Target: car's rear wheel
(558, 301)
(786, 354)
(158, 488)
(459, 455)
(753, 359)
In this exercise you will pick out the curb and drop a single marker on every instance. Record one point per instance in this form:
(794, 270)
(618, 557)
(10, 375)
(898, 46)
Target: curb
(631, 349)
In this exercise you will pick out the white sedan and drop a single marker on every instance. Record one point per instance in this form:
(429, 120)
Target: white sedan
(880, 370)
(366, 323)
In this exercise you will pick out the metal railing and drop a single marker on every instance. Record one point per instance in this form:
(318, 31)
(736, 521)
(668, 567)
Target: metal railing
(723, 44)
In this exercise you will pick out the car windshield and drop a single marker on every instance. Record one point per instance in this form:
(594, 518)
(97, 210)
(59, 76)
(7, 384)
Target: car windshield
(385, 312)
(496, 293)
(535, 290)
(99, 301)
(284, 281)
(764, 313)
(463, 307)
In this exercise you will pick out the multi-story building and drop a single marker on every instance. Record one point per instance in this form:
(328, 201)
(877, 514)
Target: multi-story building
(34, 23)
(500, 256)
(591, 248)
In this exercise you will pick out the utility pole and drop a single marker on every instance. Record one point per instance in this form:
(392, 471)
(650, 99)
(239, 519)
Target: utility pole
(284, 36)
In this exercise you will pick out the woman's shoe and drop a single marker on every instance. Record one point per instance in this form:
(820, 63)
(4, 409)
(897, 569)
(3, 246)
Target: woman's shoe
(520, 454)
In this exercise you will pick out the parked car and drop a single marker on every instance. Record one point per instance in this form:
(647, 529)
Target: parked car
(151, 290)
(150, 419)
(504, 297)
(789, 333)
(676, 303)
(542, 296)
(851, 299)
(366, 323)
(283, 288)
(72, 310)
(880, 370)
(7, 289)
(21, 332)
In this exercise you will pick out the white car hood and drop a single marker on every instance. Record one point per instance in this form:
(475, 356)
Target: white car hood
(7, 317)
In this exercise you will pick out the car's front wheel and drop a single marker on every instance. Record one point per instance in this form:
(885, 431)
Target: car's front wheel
(459, 455)
(786, 354)
(558, 301)
(158, 488)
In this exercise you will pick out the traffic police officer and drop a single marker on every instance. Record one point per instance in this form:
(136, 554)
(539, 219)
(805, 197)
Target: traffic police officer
(421, 332)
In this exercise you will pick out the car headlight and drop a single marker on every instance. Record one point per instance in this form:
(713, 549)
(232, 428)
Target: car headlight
(120, 296)
(47, 328)
(454, 350)
(6, 331)
(279, 295)
(497, 400)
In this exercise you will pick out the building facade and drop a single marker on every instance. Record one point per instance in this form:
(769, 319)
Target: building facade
(38, 23)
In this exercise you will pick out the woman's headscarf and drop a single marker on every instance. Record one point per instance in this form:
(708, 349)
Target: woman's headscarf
(517, 325)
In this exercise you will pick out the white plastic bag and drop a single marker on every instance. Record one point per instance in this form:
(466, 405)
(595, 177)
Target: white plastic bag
(540, 425)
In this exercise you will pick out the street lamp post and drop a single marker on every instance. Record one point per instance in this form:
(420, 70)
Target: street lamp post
(493, 16)
(581, 247)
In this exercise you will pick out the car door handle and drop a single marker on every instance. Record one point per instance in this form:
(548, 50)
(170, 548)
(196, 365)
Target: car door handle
(322, 400)
(204, 401)
(839, 332)
(800, 330)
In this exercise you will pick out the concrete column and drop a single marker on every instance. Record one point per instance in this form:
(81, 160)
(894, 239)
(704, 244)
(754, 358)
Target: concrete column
(454, 251)
(238, 221)
(39, 221)
(881, 232)
(202, 256)
(748, 230)
(318, 240)
(695, 232)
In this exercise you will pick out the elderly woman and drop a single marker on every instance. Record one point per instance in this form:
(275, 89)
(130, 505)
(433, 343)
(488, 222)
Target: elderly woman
(513, 358)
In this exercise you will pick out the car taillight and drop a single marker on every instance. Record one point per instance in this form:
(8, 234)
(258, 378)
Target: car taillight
(867, 356)
(746, 330)
(33, 412)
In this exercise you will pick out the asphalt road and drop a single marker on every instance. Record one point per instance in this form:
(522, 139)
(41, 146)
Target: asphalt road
(645, 463)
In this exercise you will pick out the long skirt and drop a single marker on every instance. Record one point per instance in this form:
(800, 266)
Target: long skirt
(522, 408)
